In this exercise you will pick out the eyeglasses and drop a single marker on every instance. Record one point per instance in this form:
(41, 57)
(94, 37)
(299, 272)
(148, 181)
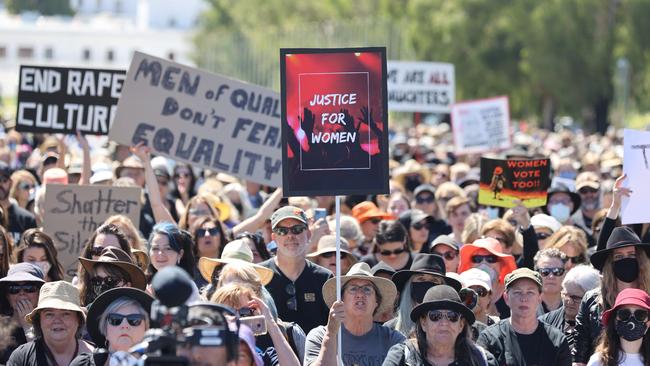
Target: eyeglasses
(420, 225)
(480, 291)
(573, 298)
(292, 302)
(424, 199)
(108, 280)
(366, 290)
(542, 236)
(327, 254)
(490, 258)
(212, 231)
(577, 259)
(25, 186)
(387, 253)
(15, 289)
(96, 251)
(375, 221)
(449, 255)
(556, 271)
(438, 315)
(625, 315)
(295, 230)
(587, 190)
(115, 319)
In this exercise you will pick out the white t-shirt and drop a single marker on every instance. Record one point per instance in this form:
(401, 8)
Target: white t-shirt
(629, 359)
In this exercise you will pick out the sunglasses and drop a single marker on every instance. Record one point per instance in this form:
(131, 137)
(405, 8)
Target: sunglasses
(438, 315)
(295, 230)
(96, 251)
(108, 280)
(387, 253)
(366, 290)
(292, 302)
(328, 255)
(490, 258)
(577, 259)
(469, 297)
(556, 271)
(480, 291)
(587, 190)
(15, 289)
(25, 186)
(212, 232)
(115, 319)
(419, 225)
(542, 236)
(424, 199)
(375, 221)
(625, 315)
(448, 255)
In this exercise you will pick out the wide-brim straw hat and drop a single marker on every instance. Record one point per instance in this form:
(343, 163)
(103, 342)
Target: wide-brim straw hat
(361, 271)
(61, 295)
(237, 251)
(117, 257)
(327, 244)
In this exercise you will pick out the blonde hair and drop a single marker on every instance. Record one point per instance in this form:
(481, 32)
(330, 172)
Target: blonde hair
(503, 227)
(17, 177)
(473, 225)
(455, 203)
(447, 189)
(241, 273)
(609, 290)
(230, 294)
(128, 228)
(568, 235)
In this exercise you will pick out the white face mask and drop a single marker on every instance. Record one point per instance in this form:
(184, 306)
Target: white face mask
(44, 266)
(494, 276)
(560, 211)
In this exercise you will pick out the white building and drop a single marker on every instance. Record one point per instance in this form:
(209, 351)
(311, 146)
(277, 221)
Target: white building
(96, 37)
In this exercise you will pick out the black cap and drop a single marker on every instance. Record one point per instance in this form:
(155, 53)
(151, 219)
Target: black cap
(5, 170)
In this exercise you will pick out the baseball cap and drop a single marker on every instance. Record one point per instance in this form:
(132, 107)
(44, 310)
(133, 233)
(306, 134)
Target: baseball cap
(543, 220)
(288, 212)
(520, 273)
(587, 179)
(444, 240)
(424, 188)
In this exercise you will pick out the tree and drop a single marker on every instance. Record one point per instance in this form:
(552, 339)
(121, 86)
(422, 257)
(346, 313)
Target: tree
(44, 7)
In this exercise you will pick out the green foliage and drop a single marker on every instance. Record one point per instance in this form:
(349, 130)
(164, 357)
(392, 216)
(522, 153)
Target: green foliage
(44, 7)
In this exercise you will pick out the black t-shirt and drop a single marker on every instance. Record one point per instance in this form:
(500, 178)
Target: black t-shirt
(311, 310)
(530, 345)
(19, 220)
(29, 354)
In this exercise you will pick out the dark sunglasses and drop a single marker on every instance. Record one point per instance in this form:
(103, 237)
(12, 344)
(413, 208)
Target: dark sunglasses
(490, 258)
(108, 280)
(587, 190)
(424, 199)
(295, 230)
(542, 236)
(469, 297)
(625, 315)
(480, 291)
(213, 232)
(292, 302)
(115, 319)
(96, 251)
(556, 271)
(25, 186)
(438, 315)
(577, 259)
(419, 225)
(375, 221)
(386, 253)
(327, 254)
(448, 255)
(15, 289)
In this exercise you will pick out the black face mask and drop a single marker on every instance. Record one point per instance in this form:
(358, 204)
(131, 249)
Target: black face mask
(412, 182)
(419, 289)
(626, 269)
(631, 329)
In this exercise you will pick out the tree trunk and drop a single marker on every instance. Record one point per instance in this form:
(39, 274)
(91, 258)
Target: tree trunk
(548, 113)
(601, 109)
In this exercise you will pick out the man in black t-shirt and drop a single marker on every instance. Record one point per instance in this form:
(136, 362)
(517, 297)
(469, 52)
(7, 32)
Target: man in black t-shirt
(522, 339)
(18, 219)
(297, 283)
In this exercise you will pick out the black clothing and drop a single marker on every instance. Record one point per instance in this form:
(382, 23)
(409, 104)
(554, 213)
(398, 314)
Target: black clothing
(502, 308)
(372, 261)
(407, 354)
(311, 310)
(90, 359)
(29, 354)
(18, 335)
(545, 346)
(588, 326)
(19, 220)
(555, 319)
(531, 247)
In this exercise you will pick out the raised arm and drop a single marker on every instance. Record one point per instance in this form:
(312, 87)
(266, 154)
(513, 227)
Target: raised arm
(160, 212)
(613, 211)
(85, 169)
(256, 221)
(286, 356)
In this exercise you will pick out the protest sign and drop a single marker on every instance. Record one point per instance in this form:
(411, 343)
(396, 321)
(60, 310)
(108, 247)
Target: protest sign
(480, 126)
(335, 121)
(504, 181)
(420, 86)
(201, 119)
(66, 100)
(74, 212)
(636, 165)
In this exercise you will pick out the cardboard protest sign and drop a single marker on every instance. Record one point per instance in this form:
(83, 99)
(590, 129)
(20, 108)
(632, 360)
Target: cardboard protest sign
(636, 164)
(480, 126)
(420, 86)
(504, 181)
(74, 212)
(201, 118)
(335, 121)
(66, 100)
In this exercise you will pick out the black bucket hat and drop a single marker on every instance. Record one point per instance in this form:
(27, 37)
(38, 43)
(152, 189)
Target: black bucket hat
(442, 298)
(423, 263)
(561, 188)
(621, 237)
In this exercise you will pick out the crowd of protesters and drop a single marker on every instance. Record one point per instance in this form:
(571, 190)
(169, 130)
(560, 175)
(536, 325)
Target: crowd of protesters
(429, 276)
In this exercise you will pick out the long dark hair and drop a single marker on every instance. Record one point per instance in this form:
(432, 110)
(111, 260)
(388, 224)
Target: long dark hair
(7, 246)
(223, 237)
(258, 240)
(190, 190)
(609, 345)
(178, 239)
(37, 238)
(465, 352)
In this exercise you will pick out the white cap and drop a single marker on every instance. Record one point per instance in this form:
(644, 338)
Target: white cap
(476, 277)
(543, 220)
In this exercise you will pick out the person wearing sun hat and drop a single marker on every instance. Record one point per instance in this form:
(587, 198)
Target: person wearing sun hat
(479, 282)
(325, 254)
(368, 215)
(623, 263)
(522, 339)
(626, 331)
(58, 320)
(235, 251)
(362, 296)
(442, 324)
(117, 320)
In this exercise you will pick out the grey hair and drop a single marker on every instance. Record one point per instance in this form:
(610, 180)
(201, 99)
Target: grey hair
(551, 253)
(350, 228)
(583, 276)
(404, 323)
(116, 304)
